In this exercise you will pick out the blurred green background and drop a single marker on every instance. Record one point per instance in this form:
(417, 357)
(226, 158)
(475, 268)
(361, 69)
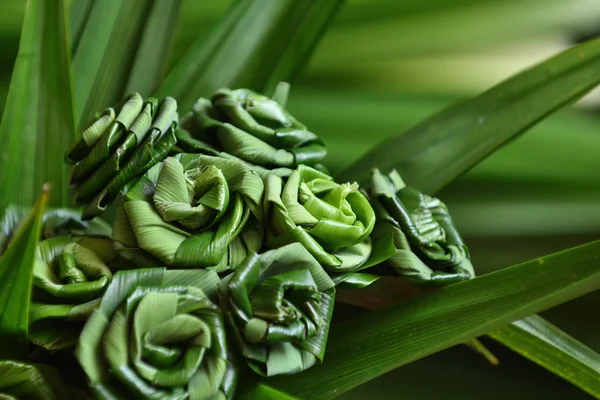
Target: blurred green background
(386, 64)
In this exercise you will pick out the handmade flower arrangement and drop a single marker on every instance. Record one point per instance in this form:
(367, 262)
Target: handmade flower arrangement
(229, 240)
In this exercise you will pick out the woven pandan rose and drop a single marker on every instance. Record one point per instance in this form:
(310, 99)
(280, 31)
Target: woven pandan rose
(69, 275)
(55, 222)
(25, 381)
(279, 306)
(157, 335)
(257, 129)
(118, 147)
(333, 221)
(197, 211)
(418, 234)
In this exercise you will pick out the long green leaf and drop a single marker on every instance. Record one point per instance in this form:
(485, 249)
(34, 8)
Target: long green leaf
(16, 274)
(121, 47)
(37, 123)
(368, 346)
(553, 349)
(253, 390)
(532, 337)
(256, 45)
(443, 147)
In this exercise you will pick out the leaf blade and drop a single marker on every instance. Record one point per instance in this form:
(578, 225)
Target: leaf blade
(256, 45)
(120, 39)
(37, 122)
(443, 147)
(15, 294)
(545, 344)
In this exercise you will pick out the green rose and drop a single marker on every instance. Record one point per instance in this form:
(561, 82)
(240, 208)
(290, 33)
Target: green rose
(55, 222)
(417, 233)
(279, 305)
(19, 380)
(68, 274)
(116, 149)
(333, 221)
(256, 129)
(197, 212)
(157, 335)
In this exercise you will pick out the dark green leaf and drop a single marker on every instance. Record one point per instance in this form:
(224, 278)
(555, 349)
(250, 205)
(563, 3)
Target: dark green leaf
(16, 274)
(370, 345)
(532, 337)
(443, 147)
(148, 67)
(256, 45)
(553, 349)
(253, 390)
(122, 46)
(37, 123)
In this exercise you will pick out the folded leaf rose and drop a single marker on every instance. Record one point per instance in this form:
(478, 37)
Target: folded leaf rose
(117, 148)
(194, 211)
(279, 305)
(55, 222)
(157, 335)
(256, 129)
(417, 234)
(333, 221)
(20, 380)
(69, 273)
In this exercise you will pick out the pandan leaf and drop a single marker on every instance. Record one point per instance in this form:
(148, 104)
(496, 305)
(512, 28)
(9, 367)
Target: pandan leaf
(256, 45)
(441, 148)
(16, 274)
(37, 122)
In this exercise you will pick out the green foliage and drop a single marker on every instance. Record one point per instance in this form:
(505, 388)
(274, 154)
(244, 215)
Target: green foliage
(122, 47)
(547, 345)
(256, 45)
(438, 150)
(37, 122)
(16, 274)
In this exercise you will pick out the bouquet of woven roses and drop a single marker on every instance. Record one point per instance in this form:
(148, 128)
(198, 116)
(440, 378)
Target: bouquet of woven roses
(227, 243)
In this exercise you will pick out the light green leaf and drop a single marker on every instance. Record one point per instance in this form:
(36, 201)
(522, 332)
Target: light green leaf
(256, 45)
(545, 344)
(443, 147)
(122, 47)
(37, 123)
(370, 345)
(252, 390)
(200, 212)
(16, 274)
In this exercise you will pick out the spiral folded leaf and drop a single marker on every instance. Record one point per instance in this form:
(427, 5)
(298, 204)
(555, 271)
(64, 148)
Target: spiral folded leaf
(117, 148)
(55, 222)
(194, 211)
(69, 274)
(417, 233)
(158, 335)
(279, 305)
(333, 221)
(19, 380)
(258, 130)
